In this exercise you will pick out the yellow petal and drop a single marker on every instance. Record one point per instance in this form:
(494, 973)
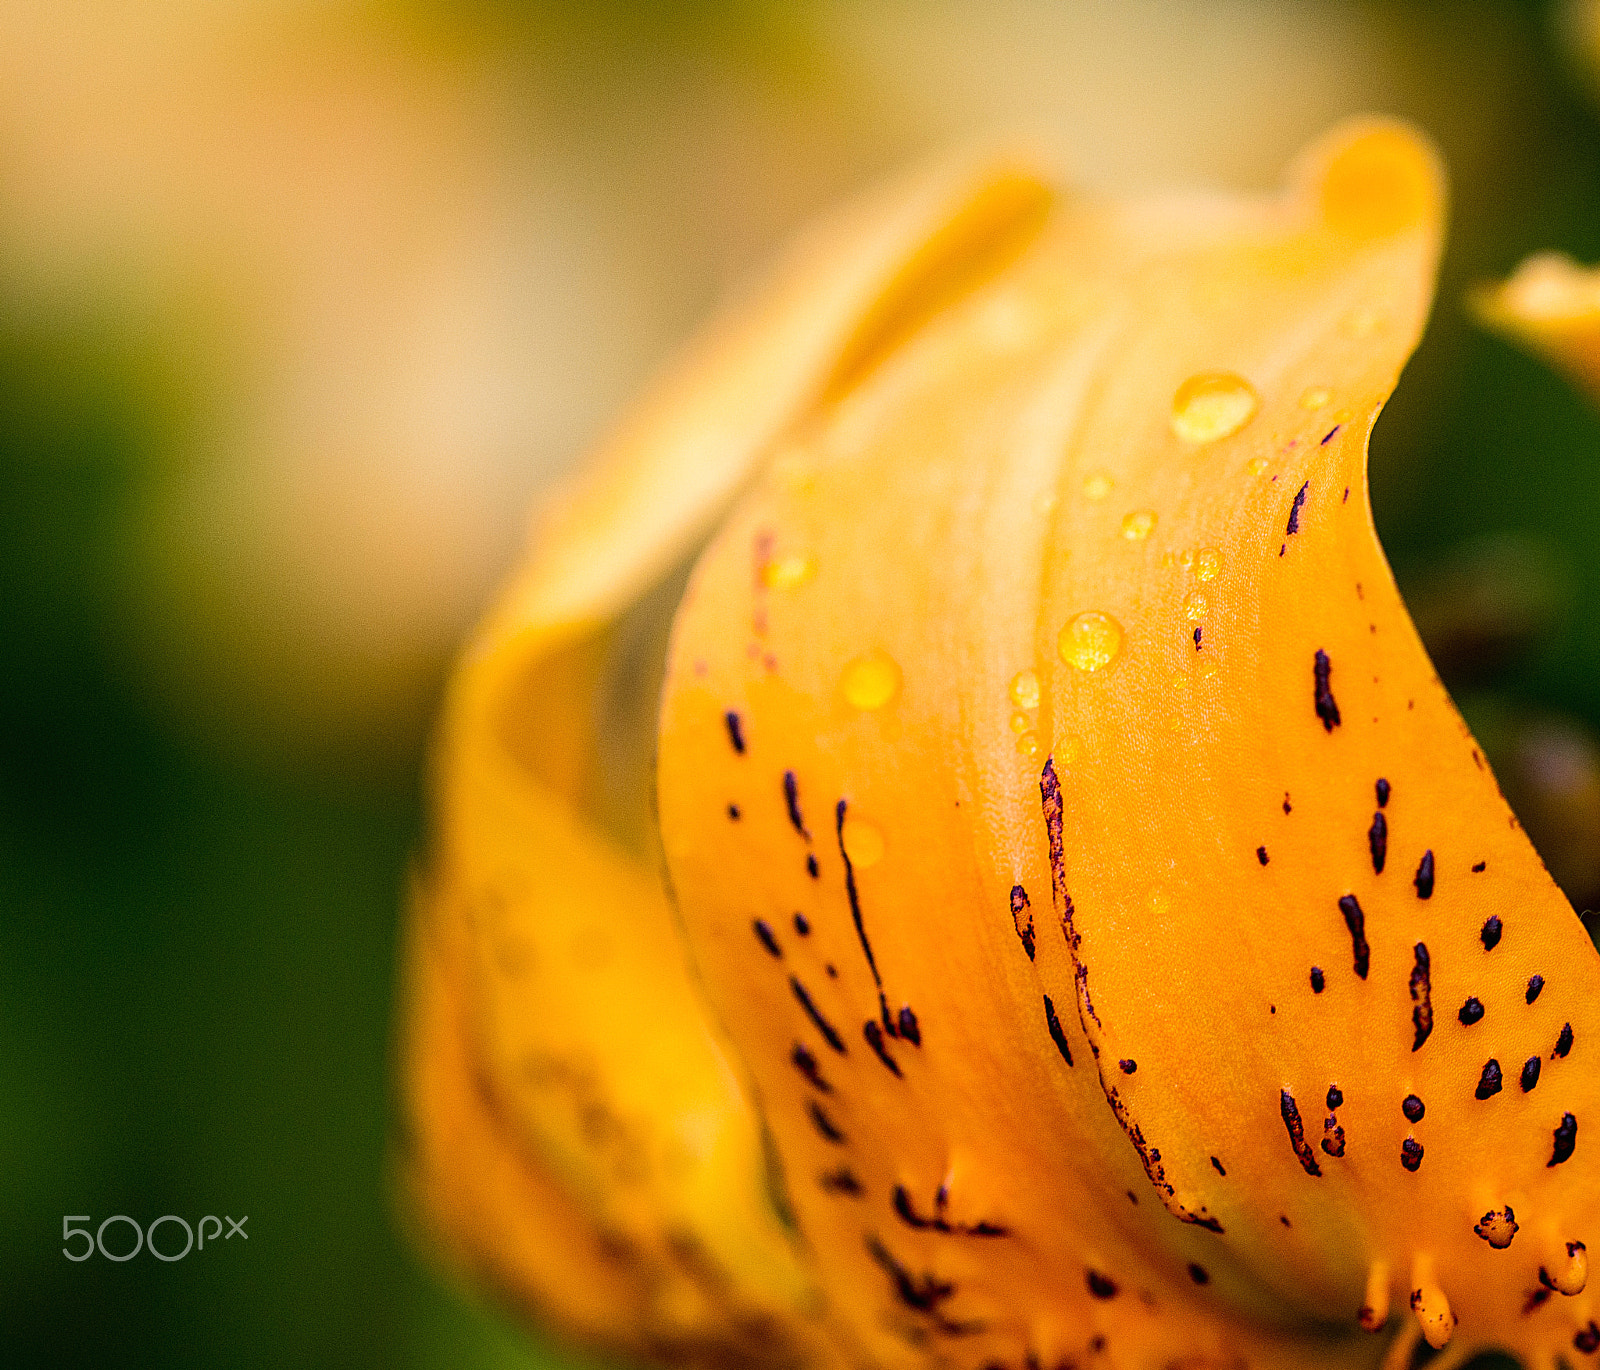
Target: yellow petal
(1269, 1120)
(1551, 306)
(567, 1090)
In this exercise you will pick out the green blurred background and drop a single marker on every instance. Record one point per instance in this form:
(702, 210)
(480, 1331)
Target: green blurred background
(301, 304)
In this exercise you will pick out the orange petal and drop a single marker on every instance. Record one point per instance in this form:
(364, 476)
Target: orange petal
(1551, 306)
(563, 1074)
(1166, 1039)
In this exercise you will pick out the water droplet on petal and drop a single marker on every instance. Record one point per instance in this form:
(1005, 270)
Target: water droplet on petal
(863, 843)
(1097, 485)
(1020, 722)
(871, 681)
(1028, 744)
(1208, 672)
(1257, 465)
(1160, 902)
(1069, 749)
(785, 573)
(1090, 641)
(1195, 607)
(1136, 527)
(1025, 690)
(1212, 405)
(1207, 562)
(1315, 397)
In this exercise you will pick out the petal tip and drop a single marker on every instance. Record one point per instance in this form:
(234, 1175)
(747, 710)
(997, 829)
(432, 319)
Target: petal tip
(1375, 177)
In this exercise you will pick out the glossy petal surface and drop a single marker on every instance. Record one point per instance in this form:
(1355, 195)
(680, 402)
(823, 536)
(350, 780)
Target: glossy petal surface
(1104, 983)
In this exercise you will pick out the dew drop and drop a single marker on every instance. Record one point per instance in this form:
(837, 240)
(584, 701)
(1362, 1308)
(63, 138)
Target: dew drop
(871, 681)
(1090, 641)
(1212, 405)
(1208, 672)
(1137, 526)
(1195, 607)
(1315, 397)
(1028, 744)
(1020, 722)
(1160, 903)
(1069, 749)
(863, 843)
(785, 573)
(1207, 562)
(1025, 690)
(1097, 485)
(1256, 465)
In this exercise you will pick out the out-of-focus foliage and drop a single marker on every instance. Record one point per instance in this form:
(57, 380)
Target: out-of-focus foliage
(301, 302)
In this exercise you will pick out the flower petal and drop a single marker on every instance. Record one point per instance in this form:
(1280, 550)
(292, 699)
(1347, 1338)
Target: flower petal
(563, 1073)
(1145, 861)
(1551, 306)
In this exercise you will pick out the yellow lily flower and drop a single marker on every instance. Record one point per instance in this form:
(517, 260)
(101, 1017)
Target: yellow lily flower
(1105, 942)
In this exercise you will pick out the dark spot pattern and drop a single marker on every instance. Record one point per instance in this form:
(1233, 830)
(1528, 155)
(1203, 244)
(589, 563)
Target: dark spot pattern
(1536, 1300)
(1423, 879)
(1378, 842)
(1297, 1134)
(1293, 525)
(823, 1123)
(1287, 807)
(1497, 1227)
(1413, 1108)
(1127, 1067)
(910, 1029)
(1332, 1136)
(1056, 1034)
(1565, 1139)
(806, 1064)
(1492, 928)
(1022, 918)
(1198, 1274)
(1411, 1153)
(735, 730)
(1471, 1011)
(802, 925)
(1489, 1081)
(1261, 855)
(1318, 980)
(791, 800)
(924, 1293)
(1530, 1073)
(733, 812)
(940, 1221)
(1421, 997)
(1216, 1165)
(811, 867)
(1328, 437)
(1322, 693)
(1335, 1097)
(1197, 639)
(1563, 1042)
(768, 939)
(1101, 1286)
(1535, 987)
(1587, 1338)
(839, 812)
(1479, 869)
(874, 1035)
(1382, 788)
(829, 1035)
(1355, 920)
(841, 1181)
